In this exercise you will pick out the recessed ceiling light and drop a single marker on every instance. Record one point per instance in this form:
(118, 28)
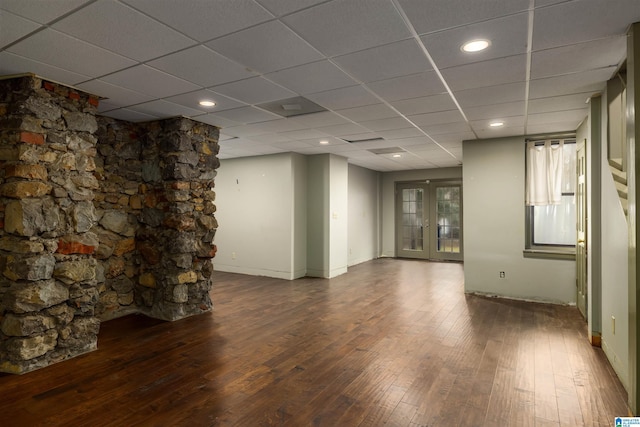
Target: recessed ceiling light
(324, 142)
(207, 103)
(496, 124)
(475, 46)
(396, 156)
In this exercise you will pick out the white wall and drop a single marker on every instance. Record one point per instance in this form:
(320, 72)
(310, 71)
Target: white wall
(254, 197)
(389, 180)
(338, 207)
(318, 216)
(494, 228)
(299, 207)
(363, 224)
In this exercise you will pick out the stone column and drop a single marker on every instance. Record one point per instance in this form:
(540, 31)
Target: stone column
(47, 271)
(175, 239)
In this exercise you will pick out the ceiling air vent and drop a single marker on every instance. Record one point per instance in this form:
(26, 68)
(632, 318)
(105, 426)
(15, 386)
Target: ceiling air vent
(388, 150)
(355, 141)
(291, 107)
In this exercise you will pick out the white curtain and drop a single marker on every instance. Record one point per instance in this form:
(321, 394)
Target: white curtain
(544, 174)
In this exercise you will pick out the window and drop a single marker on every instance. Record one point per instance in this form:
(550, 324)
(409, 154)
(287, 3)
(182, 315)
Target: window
(550, 195)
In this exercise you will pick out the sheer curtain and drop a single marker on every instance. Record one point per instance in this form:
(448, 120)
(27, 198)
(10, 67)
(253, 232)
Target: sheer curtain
(544, 173)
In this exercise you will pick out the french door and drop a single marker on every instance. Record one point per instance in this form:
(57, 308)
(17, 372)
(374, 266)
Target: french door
(429, 220)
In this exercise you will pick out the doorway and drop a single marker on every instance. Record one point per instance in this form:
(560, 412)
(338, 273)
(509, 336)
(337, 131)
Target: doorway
(429, 220)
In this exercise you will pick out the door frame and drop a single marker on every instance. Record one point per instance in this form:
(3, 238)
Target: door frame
(582, 245)
(426, 247)
(429, 231)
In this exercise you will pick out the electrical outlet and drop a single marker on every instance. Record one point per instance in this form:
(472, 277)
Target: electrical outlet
(233, 255)
(502, 275)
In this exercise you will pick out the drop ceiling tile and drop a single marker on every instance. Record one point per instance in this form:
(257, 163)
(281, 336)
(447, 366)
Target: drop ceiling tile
(448, 163)
(202, 66)
(163, 109)
(293, 145)
(202, 20)
(342, 129)
(386, 124)
(59, 50)
(284, 7)
(316, 120)
(454, 139)
(12, 27)
(414, 142)
(130, 115)
(588, 81)
(105, 106)
(559, 103)
(42, 12)
(247, 115)
(265, 48)
(433, 130)
(192, 99)
(399, 133)
(368, 112)
(578, 57)
(511, 69)
(425, 104)
(413, 86)
(114, 94)
(255, 90)
(349, 97)
(150, 81)
(441, 117)
(491, 95)
(216, 120)
(277, 126)
(385, 62)
(443, 14)
(508, 37)
(552, 128)
(495, 111)
(486, 132)
(123, 30)
(311, 78)
(268, 138)
(578, 21)
(575, 116)
(510, 122)
(15, 64)
(344, 26)
(305, 134)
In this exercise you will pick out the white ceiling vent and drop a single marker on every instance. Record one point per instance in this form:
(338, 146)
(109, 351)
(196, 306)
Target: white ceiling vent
(291, 107)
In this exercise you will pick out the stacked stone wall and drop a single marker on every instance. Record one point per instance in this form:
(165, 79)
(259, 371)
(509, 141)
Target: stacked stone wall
(156, 216)
(98, 218)
(48, 281)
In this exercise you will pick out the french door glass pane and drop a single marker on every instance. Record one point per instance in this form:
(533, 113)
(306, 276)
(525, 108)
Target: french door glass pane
(448, 219)
(412, 219)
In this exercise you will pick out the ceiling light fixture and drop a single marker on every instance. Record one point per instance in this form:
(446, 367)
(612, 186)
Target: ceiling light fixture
(207, 103)
(324, 142)
(395, 156)
(475, 46)
(496, 124)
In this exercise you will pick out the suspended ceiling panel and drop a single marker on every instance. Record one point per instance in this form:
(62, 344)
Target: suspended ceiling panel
(391, 71)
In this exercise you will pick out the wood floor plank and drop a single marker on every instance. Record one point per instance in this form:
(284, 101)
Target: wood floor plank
(392, 342)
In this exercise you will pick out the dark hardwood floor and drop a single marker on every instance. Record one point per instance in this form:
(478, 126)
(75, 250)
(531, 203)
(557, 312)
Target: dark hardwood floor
(392, 342)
